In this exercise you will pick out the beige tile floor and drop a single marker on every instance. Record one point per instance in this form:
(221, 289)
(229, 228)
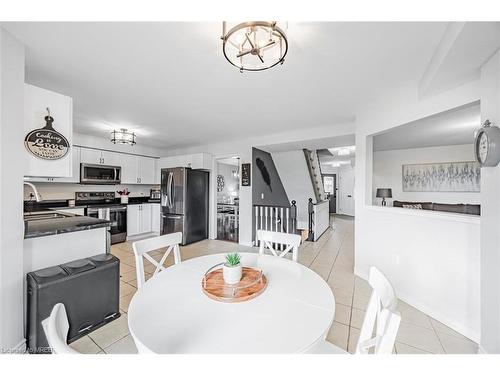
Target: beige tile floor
(332, 257)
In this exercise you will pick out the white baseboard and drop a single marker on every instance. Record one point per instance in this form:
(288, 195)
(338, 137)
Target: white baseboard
(142, 236)
(244, 243)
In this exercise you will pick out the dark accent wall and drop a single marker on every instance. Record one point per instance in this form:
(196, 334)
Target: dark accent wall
(267, 188)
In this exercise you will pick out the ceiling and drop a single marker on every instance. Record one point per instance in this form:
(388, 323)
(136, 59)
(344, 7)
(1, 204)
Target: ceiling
(229, 161)
(170, 83)
(311, 144)
(455, 127)
(333, 159)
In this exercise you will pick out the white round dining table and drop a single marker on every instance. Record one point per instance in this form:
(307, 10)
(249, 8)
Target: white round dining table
(171, 313)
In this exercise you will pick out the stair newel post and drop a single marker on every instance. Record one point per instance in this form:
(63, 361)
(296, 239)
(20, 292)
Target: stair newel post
(293, 217)
(310, 212)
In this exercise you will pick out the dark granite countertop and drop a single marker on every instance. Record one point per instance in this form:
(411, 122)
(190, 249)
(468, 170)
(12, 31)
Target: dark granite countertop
(63, 224)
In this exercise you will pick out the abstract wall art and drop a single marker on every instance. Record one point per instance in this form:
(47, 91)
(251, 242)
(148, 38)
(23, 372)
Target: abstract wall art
(442, 177)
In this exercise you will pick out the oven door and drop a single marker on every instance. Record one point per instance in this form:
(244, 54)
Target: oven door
(99, 174)
(118, 215)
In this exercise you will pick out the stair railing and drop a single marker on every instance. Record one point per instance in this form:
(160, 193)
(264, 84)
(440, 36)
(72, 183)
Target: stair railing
(275, 219)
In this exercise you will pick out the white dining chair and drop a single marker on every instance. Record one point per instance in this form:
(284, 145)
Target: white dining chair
(56, 328)
(143, 247)
(268, 240)
(380, 324)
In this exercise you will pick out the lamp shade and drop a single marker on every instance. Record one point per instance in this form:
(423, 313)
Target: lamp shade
(384, 193)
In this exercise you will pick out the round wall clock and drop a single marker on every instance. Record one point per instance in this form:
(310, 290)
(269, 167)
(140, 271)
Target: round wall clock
(220, 182)
(487, 145)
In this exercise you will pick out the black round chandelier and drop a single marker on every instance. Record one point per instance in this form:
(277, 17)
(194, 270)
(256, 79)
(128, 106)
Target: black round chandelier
(254, 46)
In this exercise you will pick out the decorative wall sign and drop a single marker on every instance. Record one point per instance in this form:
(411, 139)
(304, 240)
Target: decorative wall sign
(245, 174)
(46, 143)
(220, 183)
(442, 177)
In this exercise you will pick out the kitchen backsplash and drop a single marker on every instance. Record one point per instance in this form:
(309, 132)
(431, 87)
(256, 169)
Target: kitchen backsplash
(51, 191)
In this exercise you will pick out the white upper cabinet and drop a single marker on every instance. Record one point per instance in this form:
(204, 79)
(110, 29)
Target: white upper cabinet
(137, 169)
(90, 156)
(146, 170)
(129, 169)
(36, 102)
(194, 161)
(75, 178)
(113, 159)
(157, 172)
(93, 156)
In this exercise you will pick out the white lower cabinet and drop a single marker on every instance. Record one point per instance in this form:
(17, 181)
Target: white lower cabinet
(139, 219)
(155, 217)
(146, 218)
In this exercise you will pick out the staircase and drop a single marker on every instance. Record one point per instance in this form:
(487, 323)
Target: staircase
(314, 168)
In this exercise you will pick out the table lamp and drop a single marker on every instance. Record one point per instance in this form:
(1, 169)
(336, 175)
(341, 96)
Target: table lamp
(384, 193)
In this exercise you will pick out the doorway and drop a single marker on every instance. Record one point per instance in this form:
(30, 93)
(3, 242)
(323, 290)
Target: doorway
(228, 196)
(330, 187)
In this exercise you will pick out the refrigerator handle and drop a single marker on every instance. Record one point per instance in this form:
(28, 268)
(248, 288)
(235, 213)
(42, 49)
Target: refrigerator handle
(163, 194)
(170, 188)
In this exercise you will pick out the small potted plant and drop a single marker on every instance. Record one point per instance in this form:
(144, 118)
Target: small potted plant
(231, 271)
(124, 195)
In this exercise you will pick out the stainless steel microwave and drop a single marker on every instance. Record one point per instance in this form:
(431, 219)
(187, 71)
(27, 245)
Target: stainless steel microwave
(100, 174)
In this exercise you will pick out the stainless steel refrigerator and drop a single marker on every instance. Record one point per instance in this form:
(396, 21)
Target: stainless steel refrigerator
(184, 203)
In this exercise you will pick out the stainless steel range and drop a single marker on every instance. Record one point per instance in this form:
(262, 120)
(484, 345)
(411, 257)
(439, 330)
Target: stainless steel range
(102, 205)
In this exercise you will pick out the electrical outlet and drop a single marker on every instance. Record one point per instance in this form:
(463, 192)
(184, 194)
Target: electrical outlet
(261, 195)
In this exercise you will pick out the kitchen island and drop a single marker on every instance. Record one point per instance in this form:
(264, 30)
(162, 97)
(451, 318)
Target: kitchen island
(52, 238)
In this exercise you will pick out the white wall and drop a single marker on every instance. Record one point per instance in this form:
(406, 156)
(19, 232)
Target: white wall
(432, 259)
(11, 182)
(387, 173)
(293, 172)
(429, 245)
(490, 216)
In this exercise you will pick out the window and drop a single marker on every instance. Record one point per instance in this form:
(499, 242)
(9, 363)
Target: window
(328, 184)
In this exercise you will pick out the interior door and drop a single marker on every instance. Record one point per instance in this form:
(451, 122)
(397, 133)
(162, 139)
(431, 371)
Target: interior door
(330, 187)
(346, 191)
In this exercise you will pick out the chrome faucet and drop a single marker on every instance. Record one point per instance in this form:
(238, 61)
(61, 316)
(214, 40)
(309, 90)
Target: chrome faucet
(38, 197)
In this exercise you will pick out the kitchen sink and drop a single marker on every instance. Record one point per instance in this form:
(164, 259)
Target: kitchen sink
(44, 216)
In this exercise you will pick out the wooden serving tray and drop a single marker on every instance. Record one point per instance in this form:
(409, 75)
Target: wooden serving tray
(213, 286)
